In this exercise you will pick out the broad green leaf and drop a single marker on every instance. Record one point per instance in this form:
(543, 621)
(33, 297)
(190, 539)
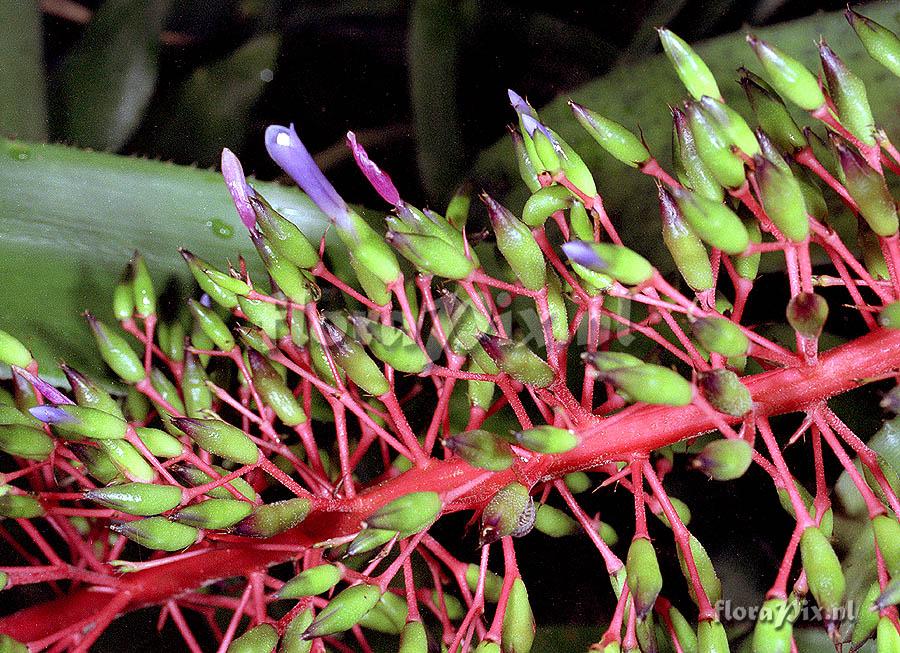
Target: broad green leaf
(638, 95)
(23, 111)
(106, 82)
(70, 219)
(212, 106)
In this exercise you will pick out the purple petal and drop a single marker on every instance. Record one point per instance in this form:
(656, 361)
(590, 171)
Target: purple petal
(520, 104)
(47, 391)
(291, 155)
(50, 414)
(236, 182)
(379, 179)
(582, 252)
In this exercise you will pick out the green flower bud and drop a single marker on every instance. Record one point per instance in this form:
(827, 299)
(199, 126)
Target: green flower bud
(270, 519)
(194, 477)
(510, 511)
(88, 393)
(312, 581)
(157, 533)
(887, 535)
(748, 266)
(368, 248)
(547, 439)
(11, 415)
(806, 313)
(849, 95)
(518, 246)
(200, 270)
(782, 199)
(872, 256)
(274, 391)
(643, 575)
(370, 539)
(867, 618)
(97, 462)
(116, 352)
(620, 263)
(10, 645)
(390, 345)
(652, 384)
(171, 340)
(692, 70)
(789, 77)
(554, 522)
(605, 361)
(772, 115)
(580, 223)
(260, 639)
(714, 146)
(219, 438)
(431, 255)
(684, 632)
(166, 389)
(881, 43)
(352, 358)
(732, 125)
(128, 460)
(414, 638)
(81, 421)
(408, 514)
(686, 249)
(681, 509)
(294, 282)
(142, 286)
(711, 638)
(890, 595)
(525, 159)
(867, 188)
(544, 202)
(724, 390)
(887, 638)
(13, 352)
(517, 632)
(283, 235)
(343, 611)
(481, 449)
(720, 335)
(611, 136)
(555, 155)
(487, 646)
(713, 222)
(25, 441)
(143, 499)
(212, 325)
(823, 570)
(388, 616)
(493, 584)
(517, 360)
(20, 506)
(689, 167)
(709, 580)
(457, 212)
(292, 641)
(556, 307)
(214, 513)
(197, 395)
(578, 482)
(452, 605)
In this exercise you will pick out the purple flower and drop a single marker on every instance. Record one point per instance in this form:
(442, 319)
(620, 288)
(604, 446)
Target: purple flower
(236, 182)
(583, 253)
(50, 414)
(291, 155)
(379, 179)
(520, 104)
(47, 391)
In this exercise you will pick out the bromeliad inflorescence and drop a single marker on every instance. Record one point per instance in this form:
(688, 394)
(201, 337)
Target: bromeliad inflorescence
(279, 451)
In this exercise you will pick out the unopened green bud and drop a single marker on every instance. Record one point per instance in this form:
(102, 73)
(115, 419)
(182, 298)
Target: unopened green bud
(457, 212)
(352, 358)
(711, 637)
(604, 361)
(388, 616)
(170, 337)
(872, 256)
(617, 261)
(518, 246)
(556, 307)
(200, 271)
(720, 335)
(823, 570)
(142, 286)
(547, 439)
(88, 393)
(20, 506)
(493, 583)
(116, 352)
(510, 511)
(612, 136)
(881, 43)
(556, 155)
(220, 438)
(652, 384)
(81, 421)
(13, 352)
(25, 441)
(390, 345)
(370, 539)
(887, 535)
(481, 449)
(644, 577)
(724, 460)
(526, 164)
(772, 115)
(408, 514)
(517, 360)
(413, 638)
(517, 632)
(312, 581)
(129, 461)
(890, 595)
(294, 282)
(274, 391)
(214, 513)
(714, 146)
(259, 639)
(197, 395)
(887, 638)
(344, 611)
(747, 266)
(685, 247)
(194, 477)
(143, 499)
(681, 509)
(166, 389)
(212, 325)
(96, 461)
(868, 189)
(544, 202)
(270, 519)
(806, 313)
(709, 580)
(789, 77)
(157, 533)
(782, 199)
(487, 646)
(292, 641)
(578, 482)
(283, 235)
(724, 390)
(712, 221)
(10, 645)
(689, 167)
(849, 95)
(431, 255)
(684, 632)
(554, 522)
(732, 125)
(867, 618)
(692, 70)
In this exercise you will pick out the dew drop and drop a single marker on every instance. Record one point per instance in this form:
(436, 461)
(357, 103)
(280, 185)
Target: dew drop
(220, 228)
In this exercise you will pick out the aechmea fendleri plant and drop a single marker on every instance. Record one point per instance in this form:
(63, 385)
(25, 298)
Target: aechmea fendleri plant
(280, 449)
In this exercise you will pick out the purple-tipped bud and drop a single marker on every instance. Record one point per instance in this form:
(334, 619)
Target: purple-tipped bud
(47, 391)
(236, 182)
(581, 252)
(379, 179)
(286, 149)
(50, 414)
(520, 104)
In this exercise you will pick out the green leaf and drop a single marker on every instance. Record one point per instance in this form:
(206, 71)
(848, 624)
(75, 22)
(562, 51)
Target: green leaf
(213, 104)
(69, 220)
(23, 111)
(106, 82)
(639, 95)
